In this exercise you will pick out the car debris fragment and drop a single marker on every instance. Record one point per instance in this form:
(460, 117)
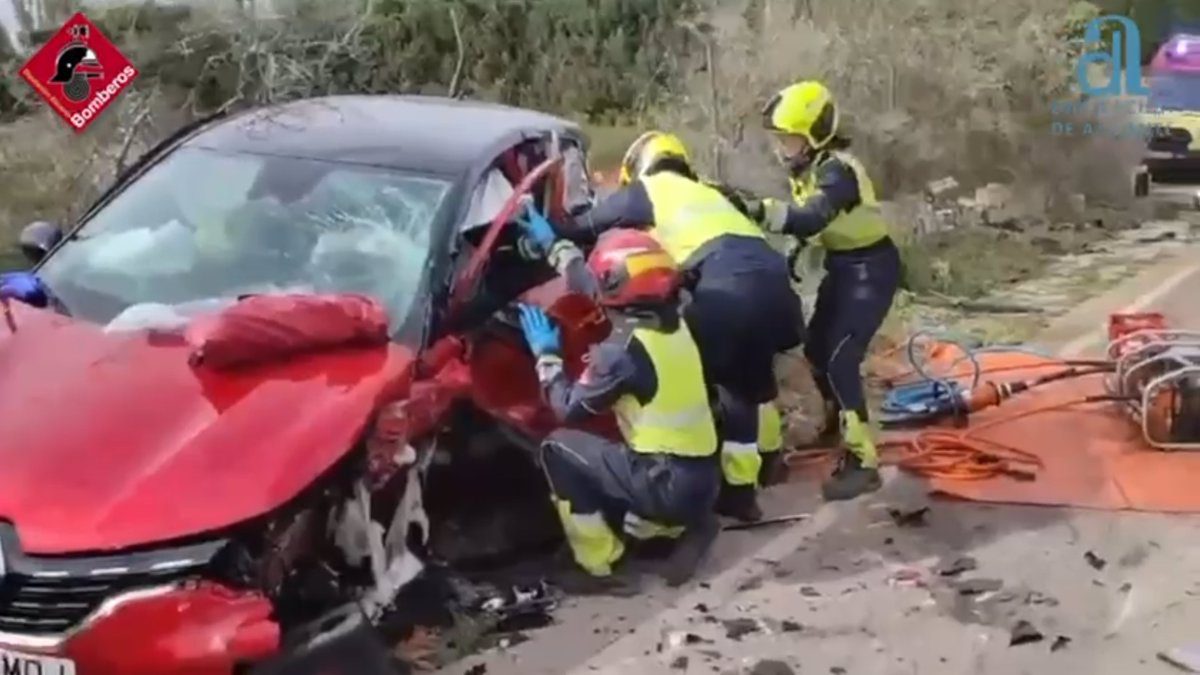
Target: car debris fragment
(958, 566)
(1186, 658)
(1039, 598)
(916, 518)
(771, 667)
(1094, 560)
(1024, 633)
(1060, 642)
(976, 586)
(736, 629)
(680, 663)
(763, 522)
(907, 576)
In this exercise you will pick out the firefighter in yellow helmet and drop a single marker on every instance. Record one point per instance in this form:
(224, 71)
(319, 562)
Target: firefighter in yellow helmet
(742, 308)
(834, 205)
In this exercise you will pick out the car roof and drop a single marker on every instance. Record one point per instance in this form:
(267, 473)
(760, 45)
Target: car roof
(420, 133)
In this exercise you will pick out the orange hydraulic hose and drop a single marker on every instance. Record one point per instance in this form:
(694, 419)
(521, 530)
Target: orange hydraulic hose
(959, 455)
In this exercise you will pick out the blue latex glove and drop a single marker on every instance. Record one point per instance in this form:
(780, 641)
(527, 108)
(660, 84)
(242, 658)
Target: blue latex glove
(537, 228)
(23, 286)
(540, 333)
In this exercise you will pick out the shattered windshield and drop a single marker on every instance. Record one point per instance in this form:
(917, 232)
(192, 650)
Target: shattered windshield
(1175, 91)
(203, 227)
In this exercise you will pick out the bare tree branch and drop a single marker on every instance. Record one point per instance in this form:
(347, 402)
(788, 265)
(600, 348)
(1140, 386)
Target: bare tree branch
(452, 92)
(130, 134)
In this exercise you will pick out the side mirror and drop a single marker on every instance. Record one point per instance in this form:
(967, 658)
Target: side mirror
(38, 238)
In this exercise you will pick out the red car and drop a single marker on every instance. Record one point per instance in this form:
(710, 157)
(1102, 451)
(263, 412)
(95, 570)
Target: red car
(160, 517)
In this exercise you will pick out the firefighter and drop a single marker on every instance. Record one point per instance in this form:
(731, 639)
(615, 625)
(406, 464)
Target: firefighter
(835, 207)
(663, 479)
(742, 309)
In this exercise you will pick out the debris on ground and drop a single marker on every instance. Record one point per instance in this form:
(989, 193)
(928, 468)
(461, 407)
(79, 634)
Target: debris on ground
(1038, 598)
(809, 592)
(1060, 642)
(478, 669)
(1024, 633)
(680, 663)
(976, 586)
(736, 629)
(1095, 561)
(909, 518)
(1185, 658)
(789, 626)
(750, 584)
(907, 576)
(958, 566)
(771, 667)
(419, 649)
(775, 520)
(681, 638)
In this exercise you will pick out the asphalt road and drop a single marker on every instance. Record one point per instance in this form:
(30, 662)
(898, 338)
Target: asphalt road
(829, 595)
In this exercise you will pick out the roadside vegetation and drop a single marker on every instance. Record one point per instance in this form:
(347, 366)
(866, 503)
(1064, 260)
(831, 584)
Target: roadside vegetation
(929, 89)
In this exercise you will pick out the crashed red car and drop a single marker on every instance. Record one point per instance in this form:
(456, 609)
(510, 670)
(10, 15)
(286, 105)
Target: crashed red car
(161, 514)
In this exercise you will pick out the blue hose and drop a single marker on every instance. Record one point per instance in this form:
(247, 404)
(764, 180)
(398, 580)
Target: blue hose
(934, 396)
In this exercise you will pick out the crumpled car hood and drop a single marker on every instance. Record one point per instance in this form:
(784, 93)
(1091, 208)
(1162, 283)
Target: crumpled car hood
(110, 440)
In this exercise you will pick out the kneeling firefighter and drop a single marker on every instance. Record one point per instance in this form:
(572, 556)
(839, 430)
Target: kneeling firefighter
(835, 206)
(663, 480)
(742, 309)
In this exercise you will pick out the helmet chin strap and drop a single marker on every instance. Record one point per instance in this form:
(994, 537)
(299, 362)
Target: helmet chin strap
(798, 163)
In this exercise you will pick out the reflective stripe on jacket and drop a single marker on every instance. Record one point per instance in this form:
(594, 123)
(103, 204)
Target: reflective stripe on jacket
(861, 226)
(688, 215)
(679, 419)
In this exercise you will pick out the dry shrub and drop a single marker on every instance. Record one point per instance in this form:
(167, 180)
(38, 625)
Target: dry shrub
(48, 172)
(928, 88)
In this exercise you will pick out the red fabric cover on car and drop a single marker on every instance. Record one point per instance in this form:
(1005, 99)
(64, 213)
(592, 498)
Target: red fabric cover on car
(269, 327)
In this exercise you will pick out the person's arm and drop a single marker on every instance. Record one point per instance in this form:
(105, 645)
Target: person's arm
(629, 206)
(614, 369)
(836, 193)
(566, 258)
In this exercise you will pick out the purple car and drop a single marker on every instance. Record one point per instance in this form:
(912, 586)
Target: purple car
(1181, 53)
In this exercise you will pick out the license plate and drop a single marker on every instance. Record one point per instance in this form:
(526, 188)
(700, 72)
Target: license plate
(13, 663)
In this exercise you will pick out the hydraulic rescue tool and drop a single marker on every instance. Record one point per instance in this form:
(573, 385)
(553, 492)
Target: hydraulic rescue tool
(1157, 374)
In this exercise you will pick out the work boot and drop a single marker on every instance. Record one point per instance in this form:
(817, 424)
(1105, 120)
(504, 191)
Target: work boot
(850, 479)
(739, 502)
(690, 551)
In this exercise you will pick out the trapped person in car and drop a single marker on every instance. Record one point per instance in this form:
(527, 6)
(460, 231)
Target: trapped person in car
(742, 311)
(663, 479)
(835, 205)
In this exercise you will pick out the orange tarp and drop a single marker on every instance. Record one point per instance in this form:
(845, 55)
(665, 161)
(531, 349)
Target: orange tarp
(1091, 455)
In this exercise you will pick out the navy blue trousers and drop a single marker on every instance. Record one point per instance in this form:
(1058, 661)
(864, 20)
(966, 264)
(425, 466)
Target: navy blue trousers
(852, 301)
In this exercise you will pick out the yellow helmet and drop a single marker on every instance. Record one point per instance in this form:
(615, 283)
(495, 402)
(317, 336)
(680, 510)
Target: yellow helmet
(647, 151)
(804, 109)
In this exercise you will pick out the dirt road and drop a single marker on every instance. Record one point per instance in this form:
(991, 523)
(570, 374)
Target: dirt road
(851, 592)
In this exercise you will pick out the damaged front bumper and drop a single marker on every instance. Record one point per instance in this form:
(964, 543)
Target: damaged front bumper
(197, 628)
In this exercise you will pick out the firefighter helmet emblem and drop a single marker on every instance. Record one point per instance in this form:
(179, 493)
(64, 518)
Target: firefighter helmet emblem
(75, 66)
